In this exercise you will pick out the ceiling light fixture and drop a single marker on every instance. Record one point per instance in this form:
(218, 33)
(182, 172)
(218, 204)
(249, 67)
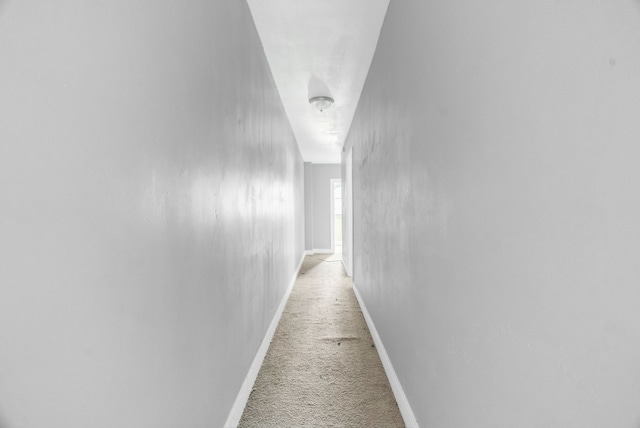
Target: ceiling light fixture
(321, 103)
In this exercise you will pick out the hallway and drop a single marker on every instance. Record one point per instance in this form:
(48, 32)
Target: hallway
(322, 368)
(165, 167)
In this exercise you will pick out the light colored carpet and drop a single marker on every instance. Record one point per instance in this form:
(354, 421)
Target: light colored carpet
(322, 368)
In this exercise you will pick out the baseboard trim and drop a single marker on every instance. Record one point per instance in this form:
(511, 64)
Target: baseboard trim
(318, 251)
(245, 390)
(396, 387)
(345, 268)
(323, 251)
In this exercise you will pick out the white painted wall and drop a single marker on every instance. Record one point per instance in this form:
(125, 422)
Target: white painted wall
(308, 206)
(151, 211)
(347, 214)
(497, 210)
(322, 175)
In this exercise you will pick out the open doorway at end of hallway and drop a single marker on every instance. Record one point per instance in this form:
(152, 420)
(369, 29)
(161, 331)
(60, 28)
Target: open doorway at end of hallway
(336, 217)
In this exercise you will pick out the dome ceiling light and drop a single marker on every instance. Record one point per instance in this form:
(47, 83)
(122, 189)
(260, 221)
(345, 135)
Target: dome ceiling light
(321, 103)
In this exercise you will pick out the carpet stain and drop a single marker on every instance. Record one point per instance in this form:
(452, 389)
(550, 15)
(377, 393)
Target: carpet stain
(338, 339)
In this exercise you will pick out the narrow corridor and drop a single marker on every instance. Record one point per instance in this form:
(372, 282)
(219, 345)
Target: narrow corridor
(322, 368)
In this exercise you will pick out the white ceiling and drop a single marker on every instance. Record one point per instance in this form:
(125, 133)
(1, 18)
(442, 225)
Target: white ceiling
(319, 47)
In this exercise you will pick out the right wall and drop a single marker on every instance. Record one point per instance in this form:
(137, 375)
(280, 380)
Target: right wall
(496, 183)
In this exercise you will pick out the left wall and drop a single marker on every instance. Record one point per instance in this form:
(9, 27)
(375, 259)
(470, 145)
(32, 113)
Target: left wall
(151, 210)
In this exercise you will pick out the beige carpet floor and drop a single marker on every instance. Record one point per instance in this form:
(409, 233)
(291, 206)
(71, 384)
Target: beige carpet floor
(322, 368)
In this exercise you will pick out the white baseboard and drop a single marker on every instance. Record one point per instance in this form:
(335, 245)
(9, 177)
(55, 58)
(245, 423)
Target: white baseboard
(396, 387)
(245, 390)
(318, 251)
(345, 268)
(323, 251)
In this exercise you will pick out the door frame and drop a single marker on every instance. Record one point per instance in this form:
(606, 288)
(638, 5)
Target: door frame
(332, 183)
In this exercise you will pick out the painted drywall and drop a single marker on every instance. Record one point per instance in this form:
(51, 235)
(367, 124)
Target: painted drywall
(347, 213)
(308, 206)
(319, 48)
(151, 211)
(497, 210)
(322, 175)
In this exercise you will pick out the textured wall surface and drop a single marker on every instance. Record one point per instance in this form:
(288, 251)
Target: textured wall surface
(497, 210)
(322, 175)
(308, 206)
(347, 211)
(151, 211)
